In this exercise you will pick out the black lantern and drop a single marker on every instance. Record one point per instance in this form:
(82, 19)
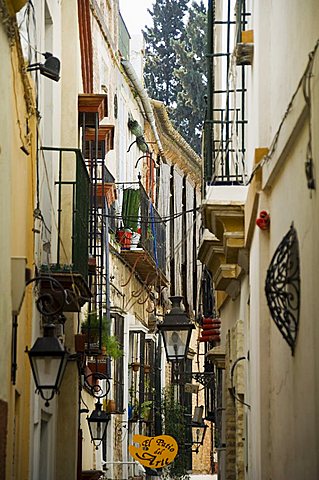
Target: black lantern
(98, 421)
(50, 68)
(199, 428)
(198, 434)
(48, 360)
(176, 331)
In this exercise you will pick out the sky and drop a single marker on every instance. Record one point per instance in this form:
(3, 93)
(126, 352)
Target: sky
(135, 15)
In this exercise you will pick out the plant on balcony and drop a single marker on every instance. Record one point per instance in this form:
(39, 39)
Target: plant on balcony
(92, 325)
(146, 409)
(124, 238)
(135, 366)
(130, 208)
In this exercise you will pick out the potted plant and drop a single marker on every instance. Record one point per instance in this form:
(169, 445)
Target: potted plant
(135, 366)
(146, 410)
(110, 344)
(112, 347)
(91, 329)
(124, 238)
(111, 406)
(147, 368)
(98, 364)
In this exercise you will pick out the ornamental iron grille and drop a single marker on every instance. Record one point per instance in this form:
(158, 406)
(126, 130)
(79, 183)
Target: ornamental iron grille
(282, 287)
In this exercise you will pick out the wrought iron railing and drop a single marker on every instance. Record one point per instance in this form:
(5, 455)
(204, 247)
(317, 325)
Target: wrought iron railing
(75, 190)
(153, 231)
(225, 125)
(139, 213)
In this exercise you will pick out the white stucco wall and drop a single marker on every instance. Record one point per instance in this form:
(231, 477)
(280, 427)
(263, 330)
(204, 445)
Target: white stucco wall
(283, 388)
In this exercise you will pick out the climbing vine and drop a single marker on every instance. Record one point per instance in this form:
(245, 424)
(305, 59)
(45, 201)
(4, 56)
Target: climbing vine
(174, 424)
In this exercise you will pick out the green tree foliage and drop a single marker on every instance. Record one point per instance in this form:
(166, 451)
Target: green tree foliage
(190, 111)
(176, 64)
(161, 57)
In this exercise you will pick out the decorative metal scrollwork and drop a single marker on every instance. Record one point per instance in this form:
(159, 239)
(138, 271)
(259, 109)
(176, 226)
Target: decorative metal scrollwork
(204, 378)
(45, 302)
(282, 287)
(98, 384)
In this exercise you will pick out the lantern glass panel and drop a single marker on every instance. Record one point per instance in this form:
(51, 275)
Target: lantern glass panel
(176, 343)
(98, 421)
(46, 371)
(97, 429)
(198, 433)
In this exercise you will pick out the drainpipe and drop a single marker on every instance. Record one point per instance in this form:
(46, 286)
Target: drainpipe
(130, 72)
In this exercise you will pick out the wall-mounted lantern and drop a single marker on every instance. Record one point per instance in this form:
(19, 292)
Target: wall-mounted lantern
(199, 428)
(176, 331)
(98, 421)
(198, 434)
(48, 359)
(50, 68)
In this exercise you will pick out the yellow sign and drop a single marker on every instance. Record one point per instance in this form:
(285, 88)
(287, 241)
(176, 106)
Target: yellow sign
(154, 452)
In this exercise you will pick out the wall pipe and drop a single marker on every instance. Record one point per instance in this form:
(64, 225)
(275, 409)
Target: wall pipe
(130, 72)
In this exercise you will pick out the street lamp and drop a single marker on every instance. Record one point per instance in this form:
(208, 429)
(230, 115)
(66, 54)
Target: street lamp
(50, 68)
(48, 360)
(176, 331)
(198, 434)
(199, 428)
(98, 421)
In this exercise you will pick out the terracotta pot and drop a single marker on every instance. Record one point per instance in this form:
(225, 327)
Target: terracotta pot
(98, 365)
(124, 237)
(79, 342)
(147, 368)
(90, 378)
(135, 366)
(111, 406)
(91, 344)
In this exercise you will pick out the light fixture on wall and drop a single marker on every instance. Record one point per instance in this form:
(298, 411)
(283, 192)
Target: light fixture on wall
(176, 331)
(136, 129)
(198, 435)
(99, 386)
(199, 428)
(48, 359)
(98, 421)
(50, 68)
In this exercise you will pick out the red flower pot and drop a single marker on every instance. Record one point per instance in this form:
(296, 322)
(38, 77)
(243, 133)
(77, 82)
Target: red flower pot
(124, 237)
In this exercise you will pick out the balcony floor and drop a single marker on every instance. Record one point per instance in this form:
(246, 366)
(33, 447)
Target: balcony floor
(141, 262)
